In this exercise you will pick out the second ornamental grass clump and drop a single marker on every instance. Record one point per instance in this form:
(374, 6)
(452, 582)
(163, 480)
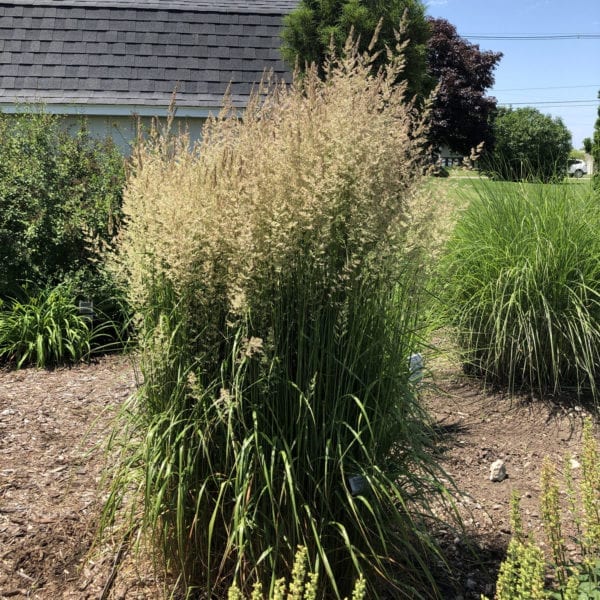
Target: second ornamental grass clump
(522, 287)
(277, 306)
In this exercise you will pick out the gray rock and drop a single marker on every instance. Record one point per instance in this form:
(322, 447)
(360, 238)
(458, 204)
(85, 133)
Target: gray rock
(498, 471)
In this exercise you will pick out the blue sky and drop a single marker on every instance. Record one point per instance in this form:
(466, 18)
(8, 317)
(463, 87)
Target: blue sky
(560, 77)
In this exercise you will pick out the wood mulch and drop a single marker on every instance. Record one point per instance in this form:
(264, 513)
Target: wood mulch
(52, 424)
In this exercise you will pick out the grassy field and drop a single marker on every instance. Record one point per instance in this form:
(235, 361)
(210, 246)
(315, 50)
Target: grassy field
(462, 185)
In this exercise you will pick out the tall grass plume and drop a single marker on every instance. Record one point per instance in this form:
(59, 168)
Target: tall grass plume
(277, 302)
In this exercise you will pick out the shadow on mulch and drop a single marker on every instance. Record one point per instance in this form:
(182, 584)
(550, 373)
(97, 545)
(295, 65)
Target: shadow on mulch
(473, 563)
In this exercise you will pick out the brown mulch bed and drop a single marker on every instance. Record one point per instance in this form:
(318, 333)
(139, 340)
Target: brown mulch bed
(52, 424)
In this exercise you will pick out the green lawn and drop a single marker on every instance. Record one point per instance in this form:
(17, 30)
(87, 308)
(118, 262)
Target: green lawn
(456, 191)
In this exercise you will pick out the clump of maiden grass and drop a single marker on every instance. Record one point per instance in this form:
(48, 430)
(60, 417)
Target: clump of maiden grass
(277, 300)
(523, 573)
(45, 329)
(522, 287)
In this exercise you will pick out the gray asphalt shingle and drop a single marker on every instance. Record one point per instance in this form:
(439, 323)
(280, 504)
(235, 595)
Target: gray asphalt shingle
(126, 52)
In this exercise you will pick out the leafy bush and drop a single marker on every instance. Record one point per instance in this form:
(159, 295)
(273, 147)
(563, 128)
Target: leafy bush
(60, 195)
(522, 574)
(277, 304)
(528, 146)
(46, 329)
(522, 277)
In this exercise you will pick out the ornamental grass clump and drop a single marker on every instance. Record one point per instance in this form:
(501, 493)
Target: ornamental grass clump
(277, 304)
(522, 287)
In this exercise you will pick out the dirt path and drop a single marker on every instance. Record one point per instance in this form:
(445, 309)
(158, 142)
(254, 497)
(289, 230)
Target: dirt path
(51, 423)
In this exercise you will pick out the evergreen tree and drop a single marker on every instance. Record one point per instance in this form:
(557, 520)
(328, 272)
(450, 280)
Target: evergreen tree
(309, 30)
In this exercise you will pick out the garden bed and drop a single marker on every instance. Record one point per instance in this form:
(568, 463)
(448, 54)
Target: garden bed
(52, 422)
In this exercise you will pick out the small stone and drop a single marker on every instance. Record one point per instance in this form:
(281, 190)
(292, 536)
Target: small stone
(471, 584)
(498, 471)
(575, 464)
(7, 412)
(415, 368)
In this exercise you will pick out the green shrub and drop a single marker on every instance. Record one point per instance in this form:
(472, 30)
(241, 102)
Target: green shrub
(45, 329)
(113, 316)
(60, 200)
(529, 146)
(522, 286)
(277, 304)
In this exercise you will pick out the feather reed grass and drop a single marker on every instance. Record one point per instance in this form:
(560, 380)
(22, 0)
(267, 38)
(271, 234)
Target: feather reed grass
(277, 301)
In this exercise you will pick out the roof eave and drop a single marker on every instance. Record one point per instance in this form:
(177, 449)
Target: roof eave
(112, 110)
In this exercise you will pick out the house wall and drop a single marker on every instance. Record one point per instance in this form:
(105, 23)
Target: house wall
(123, 129)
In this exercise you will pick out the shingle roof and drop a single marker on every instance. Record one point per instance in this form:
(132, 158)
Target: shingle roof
(135, 53)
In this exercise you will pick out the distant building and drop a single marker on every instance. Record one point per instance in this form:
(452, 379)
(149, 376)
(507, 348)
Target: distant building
(449, 158)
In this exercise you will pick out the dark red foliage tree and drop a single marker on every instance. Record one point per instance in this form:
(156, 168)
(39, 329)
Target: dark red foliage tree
(461, 112)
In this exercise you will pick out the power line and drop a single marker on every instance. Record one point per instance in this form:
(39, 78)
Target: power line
(534, 37)
(552, 87)
(586, 100)
(574, 104)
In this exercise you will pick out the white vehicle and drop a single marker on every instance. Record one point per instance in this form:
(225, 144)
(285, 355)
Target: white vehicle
(576, 168)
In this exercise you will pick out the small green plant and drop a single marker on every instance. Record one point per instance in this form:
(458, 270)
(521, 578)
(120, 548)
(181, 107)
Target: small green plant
(303, 584)
(522, 574)
(522, 287)
(45, 329)
(552, 522)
